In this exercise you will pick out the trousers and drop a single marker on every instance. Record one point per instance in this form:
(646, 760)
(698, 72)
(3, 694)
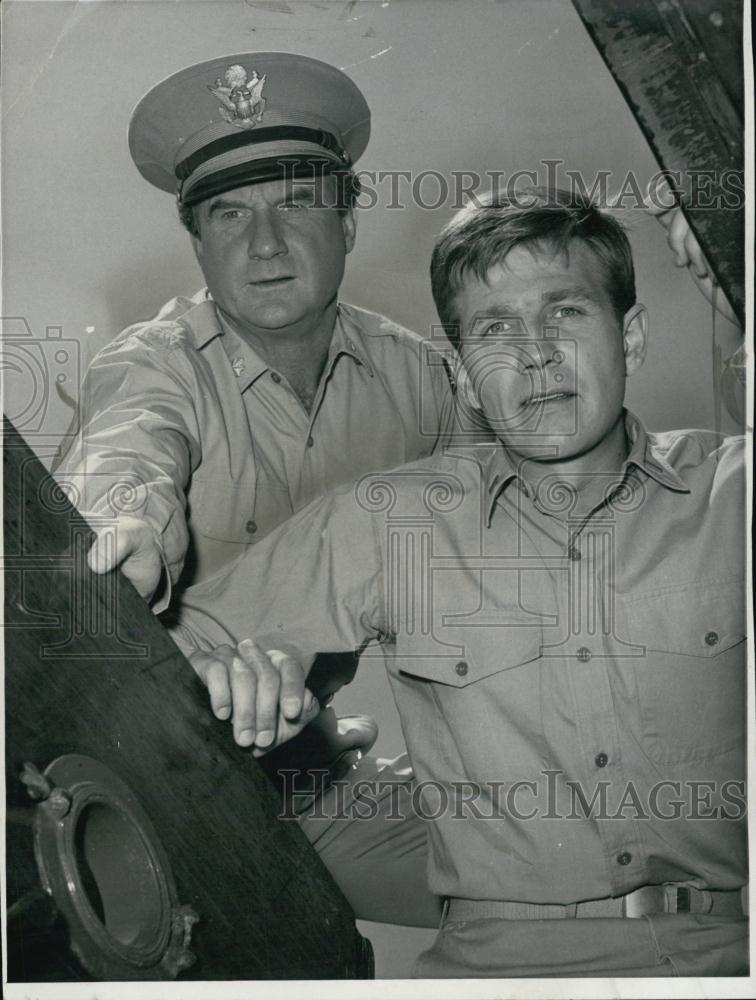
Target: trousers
(375, 847)
(666, 944)
(377, 852)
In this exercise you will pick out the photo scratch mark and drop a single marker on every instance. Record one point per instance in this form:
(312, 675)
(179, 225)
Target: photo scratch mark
(275, 6)
(71, 21)
(529, 42)
(375, 55)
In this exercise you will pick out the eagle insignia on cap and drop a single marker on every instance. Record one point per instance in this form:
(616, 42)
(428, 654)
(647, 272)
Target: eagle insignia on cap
(241, 96)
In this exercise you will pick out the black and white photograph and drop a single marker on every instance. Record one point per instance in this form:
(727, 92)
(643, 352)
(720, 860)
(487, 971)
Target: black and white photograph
(378, 400)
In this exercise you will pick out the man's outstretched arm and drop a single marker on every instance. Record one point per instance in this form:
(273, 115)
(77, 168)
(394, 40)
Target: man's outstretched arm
(313, 585)
(128, 466)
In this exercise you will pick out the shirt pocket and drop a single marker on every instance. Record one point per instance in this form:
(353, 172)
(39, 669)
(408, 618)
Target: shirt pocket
(222, 511)
(472, 655)
(690, 682)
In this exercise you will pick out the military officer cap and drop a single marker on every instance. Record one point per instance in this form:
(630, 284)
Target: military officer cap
(243, 118)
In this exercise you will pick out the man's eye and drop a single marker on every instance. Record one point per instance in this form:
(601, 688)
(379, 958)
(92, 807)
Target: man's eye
(294, 204)
(567, 312)
(230, 214)
(499, 326)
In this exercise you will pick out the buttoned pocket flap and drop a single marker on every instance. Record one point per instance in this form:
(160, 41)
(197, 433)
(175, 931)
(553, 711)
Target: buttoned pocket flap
(689, 673)
(704, 619)
(475, 653)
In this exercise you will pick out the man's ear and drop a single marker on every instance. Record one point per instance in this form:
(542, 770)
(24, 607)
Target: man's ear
(635, 338)
(349, 228)
(197, 247)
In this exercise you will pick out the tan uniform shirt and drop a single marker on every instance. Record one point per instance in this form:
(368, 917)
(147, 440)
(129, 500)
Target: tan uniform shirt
(183, 425)
(571, 685)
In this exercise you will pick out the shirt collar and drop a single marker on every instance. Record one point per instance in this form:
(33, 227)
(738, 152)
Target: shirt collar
(246, 363)
(646, 456)
(206, 323)
(200, 317)
(347, 339)
(499, 470)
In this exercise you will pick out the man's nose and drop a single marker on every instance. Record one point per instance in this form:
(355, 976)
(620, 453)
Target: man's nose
(265, 235)
(544, 350)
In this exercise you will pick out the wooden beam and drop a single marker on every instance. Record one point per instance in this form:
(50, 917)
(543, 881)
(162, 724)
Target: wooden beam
(679, 67)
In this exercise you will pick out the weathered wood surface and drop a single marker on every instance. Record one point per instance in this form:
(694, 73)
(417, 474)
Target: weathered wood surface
(679, 66)
(89, 670)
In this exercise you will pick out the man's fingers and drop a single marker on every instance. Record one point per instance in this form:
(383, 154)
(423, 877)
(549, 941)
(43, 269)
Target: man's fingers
(102, 557)
(265, 692)
(130, 544)
(292, 676)
(267, 687)
(660, 200)
(219, 689)
(666, 216)
(695, 255)
(676, 238)
(212, 669)
(286, 729)
(680, 237)
(117, 542)
(244, 697)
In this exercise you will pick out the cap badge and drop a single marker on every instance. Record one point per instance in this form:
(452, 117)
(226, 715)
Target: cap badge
(241, 97)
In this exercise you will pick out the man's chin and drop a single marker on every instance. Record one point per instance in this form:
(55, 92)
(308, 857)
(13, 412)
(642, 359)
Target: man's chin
(530, 426)
(273, 321)
(542, 445)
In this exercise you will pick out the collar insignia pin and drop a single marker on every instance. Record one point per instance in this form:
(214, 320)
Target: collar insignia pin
(238, 366)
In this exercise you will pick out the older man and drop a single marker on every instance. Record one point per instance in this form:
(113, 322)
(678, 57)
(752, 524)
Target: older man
(204, 428)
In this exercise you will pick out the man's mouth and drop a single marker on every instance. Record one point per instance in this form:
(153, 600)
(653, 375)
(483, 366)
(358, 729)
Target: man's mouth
(548, 397)
(272, 282)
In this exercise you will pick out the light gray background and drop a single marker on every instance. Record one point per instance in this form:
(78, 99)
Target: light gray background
(471, 85)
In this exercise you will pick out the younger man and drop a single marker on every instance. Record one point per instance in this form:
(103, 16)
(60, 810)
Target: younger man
(567, 614)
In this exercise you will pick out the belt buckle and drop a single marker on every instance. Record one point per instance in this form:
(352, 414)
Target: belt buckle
(668, 898)
(647, 899)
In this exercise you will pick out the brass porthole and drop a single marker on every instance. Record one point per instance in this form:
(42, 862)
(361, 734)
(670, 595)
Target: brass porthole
(101, 859)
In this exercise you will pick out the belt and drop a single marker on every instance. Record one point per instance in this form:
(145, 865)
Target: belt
(672, 897)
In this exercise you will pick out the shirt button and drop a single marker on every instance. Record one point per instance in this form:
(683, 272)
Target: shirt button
(601, 760)
(461, 668)
(583, 654)
(711, 638)
(574, 554)
(310, 441)
(251, 527)
(276, 377)
(624, 858)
